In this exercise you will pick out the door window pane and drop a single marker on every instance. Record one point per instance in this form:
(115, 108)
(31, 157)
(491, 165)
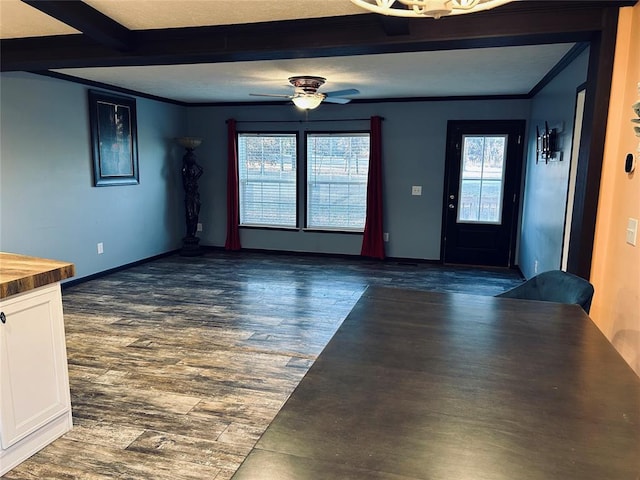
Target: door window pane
(481, 179)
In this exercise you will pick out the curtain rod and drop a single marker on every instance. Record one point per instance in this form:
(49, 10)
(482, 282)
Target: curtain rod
(305, 121)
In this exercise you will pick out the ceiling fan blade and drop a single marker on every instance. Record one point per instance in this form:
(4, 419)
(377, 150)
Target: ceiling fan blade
(270, 95)
(339, 100)
(342, 93)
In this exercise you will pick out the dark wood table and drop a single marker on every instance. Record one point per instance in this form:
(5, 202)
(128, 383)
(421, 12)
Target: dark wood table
(423, 385)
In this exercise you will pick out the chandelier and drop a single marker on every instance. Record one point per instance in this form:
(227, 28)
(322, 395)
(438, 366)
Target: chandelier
(428, 8)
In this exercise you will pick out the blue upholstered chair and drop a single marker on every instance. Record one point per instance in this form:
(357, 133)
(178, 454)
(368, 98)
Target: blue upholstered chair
(554, 286)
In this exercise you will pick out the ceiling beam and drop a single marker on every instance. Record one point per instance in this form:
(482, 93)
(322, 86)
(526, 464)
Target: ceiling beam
(394, 25)
(518, 23)
(92, 23)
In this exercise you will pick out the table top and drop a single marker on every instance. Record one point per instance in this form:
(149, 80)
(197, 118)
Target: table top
(425, 385)
(21, 273)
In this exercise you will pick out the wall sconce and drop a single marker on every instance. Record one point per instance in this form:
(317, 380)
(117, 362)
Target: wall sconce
(546, 143)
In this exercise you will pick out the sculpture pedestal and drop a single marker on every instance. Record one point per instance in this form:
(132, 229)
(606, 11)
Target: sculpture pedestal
(191, 247)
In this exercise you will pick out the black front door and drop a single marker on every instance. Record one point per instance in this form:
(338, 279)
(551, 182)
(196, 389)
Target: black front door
(482, 186)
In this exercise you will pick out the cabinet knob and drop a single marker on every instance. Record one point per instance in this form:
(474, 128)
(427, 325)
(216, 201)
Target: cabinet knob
(3, 317)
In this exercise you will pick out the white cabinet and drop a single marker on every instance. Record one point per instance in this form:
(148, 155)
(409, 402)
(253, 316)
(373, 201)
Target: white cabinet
(35, 404)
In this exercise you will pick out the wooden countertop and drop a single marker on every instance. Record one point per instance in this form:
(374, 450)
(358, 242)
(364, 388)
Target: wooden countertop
(21, 273)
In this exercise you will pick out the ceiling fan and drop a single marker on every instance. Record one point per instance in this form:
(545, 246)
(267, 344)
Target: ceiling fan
(306, 95)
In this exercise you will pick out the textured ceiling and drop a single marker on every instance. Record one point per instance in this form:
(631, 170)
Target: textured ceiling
(483, 71)
(18, 19)
(149, 14)
(487, 71)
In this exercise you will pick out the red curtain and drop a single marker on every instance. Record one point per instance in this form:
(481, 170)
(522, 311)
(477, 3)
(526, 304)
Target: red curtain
(233, 205)
(373, 241)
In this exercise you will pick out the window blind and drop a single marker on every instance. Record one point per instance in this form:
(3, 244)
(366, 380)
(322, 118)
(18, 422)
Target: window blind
(267, 169)
(337, 170)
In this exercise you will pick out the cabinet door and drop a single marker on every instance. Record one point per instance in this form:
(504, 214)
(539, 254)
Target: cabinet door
(33, 363)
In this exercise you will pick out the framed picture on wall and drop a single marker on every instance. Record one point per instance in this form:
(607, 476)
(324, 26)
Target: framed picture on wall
(114, 142)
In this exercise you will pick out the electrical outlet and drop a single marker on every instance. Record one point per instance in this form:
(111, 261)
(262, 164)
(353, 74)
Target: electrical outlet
(385, 236)
(100, 248)
(199, 227)
(535, 266)
(416, 190)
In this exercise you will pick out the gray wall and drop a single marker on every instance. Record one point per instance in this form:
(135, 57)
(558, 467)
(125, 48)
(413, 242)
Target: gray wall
(546, 184)
(414, 137)
(48, 206)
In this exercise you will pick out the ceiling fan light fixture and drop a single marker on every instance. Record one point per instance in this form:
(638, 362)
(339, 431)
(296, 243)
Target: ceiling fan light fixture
(428, 8)
(308, 101)
(306, 95)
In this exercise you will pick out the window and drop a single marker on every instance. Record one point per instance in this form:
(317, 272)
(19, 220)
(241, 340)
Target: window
(482, 179)
(337, 169)
(267, 179)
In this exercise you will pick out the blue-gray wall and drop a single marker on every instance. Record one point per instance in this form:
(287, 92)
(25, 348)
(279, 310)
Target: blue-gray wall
(48, 206)
(414, 137)
(546, 184)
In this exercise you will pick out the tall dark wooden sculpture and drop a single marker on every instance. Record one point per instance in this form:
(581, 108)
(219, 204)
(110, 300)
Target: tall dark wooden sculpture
(191, 172)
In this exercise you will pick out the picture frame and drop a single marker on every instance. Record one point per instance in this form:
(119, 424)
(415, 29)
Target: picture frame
(114, 142)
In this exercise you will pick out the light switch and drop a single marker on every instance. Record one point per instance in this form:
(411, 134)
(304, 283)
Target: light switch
(416, 190)
(632, 231)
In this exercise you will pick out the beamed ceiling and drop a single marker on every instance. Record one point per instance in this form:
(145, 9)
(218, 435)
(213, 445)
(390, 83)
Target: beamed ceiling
(220, 51)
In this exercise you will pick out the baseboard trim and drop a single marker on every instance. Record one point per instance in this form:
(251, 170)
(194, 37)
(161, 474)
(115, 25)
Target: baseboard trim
(407, 261)
(208, 248)
(404, 261)
(77, 281)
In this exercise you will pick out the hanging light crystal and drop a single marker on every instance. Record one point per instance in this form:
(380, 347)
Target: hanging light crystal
(428, 8)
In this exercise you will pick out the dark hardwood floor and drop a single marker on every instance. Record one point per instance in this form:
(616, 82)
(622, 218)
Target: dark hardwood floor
(177, 366)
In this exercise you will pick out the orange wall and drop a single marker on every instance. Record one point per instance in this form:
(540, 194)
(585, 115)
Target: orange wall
(615, 269)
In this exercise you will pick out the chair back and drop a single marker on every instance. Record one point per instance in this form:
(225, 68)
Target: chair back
(554, 286)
